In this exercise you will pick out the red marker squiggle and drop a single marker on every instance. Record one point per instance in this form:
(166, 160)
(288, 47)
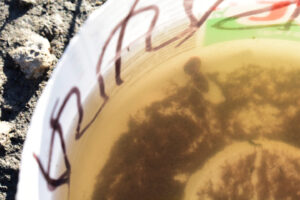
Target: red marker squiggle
(274, 7)
(182, 37)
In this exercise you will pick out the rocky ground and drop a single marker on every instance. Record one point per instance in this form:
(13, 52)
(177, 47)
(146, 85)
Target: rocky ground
(33, 36)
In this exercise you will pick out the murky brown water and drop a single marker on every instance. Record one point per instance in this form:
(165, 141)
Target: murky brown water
(226, 132)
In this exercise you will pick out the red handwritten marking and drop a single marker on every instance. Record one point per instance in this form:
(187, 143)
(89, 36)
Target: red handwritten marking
(78, 136)
(261, 10)
(195, 24)
(57, 128)
(122, 25)
(295, 14)
(277, 11)
(286, 26)
(188, 8)
(55, 124)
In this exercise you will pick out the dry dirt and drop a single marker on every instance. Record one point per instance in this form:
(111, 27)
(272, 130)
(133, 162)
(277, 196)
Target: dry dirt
(55, 20)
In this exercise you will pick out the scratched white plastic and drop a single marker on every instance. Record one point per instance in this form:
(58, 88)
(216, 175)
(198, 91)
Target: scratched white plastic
(77, 67)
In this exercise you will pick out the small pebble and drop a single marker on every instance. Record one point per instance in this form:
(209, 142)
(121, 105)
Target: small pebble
(99, 3)
(5, 127)
(33, 56)
(69, 6)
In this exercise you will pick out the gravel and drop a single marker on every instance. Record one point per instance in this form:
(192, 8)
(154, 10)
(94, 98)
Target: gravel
(25, 68)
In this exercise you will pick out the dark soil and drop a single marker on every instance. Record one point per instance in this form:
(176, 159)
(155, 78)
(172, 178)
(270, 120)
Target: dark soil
(18, 95)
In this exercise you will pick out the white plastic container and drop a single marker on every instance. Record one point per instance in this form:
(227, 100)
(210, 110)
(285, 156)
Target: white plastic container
(86, 72)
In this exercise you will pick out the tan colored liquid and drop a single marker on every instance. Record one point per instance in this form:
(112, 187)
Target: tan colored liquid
(208, 124)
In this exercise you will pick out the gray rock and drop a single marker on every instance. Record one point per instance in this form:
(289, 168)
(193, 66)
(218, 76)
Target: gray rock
(99, 3)
(33, 56)
(52, 26)
(5, 128)
(69, 6)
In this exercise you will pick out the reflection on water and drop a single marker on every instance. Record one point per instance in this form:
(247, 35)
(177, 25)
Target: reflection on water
(158, 154)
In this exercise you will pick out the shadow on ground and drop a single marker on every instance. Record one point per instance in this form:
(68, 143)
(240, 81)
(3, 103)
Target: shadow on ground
(15, 11)
(17, 90)
(8, 179)
(71, 30)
